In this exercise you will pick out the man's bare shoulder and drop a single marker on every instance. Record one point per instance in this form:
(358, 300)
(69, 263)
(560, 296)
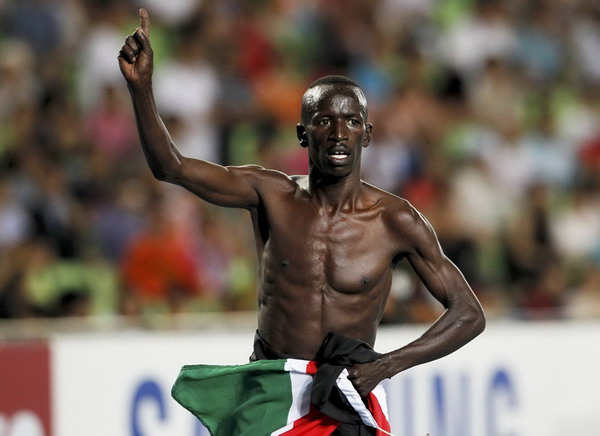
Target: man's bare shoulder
(391, 204)
(268, 180)
(398, 213)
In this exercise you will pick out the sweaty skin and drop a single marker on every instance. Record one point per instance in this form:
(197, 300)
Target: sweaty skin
(327, 242)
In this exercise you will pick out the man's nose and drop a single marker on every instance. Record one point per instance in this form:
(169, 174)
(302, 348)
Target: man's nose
(339, 131)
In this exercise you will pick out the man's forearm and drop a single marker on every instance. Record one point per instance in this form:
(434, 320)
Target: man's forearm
(449, 333)
(158, 147)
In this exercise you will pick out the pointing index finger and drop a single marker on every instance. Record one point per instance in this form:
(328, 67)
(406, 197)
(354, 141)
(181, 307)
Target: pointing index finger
(145, 22)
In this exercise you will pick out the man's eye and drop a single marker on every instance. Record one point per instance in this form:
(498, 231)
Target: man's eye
(324, 122)
(353, 122)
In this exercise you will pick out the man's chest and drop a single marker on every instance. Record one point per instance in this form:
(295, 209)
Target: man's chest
(350, 254)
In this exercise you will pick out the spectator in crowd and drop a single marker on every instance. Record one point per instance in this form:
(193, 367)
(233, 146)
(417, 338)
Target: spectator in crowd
(156, 267)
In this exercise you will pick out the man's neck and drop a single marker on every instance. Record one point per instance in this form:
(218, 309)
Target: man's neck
(335, 194)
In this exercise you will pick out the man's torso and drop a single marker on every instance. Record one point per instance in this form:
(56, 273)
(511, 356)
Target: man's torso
(322, 270)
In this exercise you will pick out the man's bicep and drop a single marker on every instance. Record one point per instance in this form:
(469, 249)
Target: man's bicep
(223, 186)
(438, 273)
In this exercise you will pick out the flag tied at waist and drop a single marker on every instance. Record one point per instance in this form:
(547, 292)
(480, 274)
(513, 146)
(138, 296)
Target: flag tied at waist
(269, 397)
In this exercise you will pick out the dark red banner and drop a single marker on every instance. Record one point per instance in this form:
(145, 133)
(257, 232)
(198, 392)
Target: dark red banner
(25, 389)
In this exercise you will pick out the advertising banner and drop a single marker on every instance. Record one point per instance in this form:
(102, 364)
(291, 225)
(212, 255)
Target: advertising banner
(516, 379)
(120, 385)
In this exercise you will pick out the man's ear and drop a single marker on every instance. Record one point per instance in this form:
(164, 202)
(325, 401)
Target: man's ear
(301, 134)
(368, 132)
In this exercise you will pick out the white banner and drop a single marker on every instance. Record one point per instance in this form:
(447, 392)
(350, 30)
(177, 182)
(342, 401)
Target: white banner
(514, 380)
(120, 385)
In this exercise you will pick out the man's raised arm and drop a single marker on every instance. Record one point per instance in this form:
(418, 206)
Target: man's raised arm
(231, 187)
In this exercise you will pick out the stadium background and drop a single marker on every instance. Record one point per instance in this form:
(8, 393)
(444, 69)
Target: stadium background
(486, 118)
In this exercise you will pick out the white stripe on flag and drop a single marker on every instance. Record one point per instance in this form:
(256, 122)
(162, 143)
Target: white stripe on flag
(357, 403)
(381, 396)
(354, 399)
(301, 386)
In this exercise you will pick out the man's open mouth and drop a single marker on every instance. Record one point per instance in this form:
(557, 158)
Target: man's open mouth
(338, 156)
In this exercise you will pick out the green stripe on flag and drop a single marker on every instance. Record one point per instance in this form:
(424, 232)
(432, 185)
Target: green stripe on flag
(236, 400)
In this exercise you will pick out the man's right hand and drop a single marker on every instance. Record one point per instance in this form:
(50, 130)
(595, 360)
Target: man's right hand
(136, 56)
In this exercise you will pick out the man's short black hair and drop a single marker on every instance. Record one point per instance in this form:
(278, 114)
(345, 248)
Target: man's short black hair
(336, 81)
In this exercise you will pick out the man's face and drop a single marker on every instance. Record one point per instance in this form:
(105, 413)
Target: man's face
(335, 130)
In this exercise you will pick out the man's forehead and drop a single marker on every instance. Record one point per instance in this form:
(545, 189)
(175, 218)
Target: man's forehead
(327, 92)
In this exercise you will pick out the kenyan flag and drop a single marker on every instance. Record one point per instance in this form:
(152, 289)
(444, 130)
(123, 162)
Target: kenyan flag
(267, 397)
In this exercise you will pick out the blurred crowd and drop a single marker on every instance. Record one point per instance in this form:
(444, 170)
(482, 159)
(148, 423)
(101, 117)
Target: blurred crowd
(486, 115)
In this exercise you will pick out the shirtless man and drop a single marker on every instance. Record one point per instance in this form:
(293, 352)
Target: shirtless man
(328, 242)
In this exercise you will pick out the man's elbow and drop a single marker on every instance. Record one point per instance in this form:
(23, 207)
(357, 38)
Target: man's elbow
(162, 173)
(475, 320)
(471, 320)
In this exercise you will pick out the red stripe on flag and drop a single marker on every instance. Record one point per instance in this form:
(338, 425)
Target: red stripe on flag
(311, 367)
(314, 423)
(378, 414)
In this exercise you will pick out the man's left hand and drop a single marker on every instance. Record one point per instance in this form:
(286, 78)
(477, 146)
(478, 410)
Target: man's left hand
(366, 376)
